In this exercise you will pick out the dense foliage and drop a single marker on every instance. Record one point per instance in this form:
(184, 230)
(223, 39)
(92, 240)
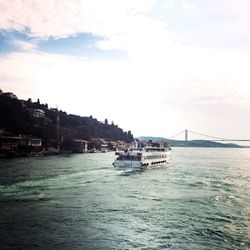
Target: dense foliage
(17, 116)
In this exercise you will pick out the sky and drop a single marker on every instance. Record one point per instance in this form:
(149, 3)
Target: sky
(155, 67)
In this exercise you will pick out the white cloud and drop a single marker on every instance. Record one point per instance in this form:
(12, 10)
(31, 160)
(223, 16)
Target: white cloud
(162, 87)
(185, 6)
(168, 4)
(139, 90)
(23, 45)
(119, 24)
(62, 18)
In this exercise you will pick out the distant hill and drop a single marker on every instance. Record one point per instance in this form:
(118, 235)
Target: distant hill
(35, 119)
(192, 143)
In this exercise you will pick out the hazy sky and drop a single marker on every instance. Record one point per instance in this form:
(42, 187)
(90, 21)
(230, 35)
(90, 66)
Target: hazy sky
(154, 67)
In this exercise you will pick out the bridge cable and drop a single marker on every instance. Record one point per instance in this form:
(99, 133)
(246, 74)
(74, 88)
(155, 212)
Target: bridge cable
(214, 137)
(177, 134)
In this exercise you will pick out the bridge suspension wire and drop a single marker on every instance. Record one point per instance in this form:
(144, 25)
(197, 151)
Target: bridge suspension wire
(177, 134)
(209, 136)
(214, 138)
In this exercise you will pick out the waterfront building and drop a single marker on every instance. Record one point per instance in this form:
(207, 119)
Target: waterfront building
(80, 146)
(16, 145)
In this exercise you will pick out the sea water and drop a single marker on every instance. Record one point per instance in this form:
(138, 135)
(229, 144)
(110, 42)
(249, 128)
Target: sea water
(200, 200)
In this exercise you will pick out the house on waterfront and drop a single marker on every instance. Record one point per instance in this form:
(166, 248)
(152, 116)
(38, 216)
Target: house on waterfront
(80, 146)
(99, 144)
(19, 145)
(118, 145)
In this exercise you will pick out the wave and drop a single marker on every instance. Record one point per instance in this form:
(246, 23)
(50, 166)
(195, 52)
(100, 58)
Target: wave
(60, 182)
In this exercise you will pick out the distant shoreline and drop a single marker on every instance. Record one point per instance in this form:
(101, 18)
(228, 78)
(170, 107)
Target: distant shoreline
(193, 143)
(240, 147)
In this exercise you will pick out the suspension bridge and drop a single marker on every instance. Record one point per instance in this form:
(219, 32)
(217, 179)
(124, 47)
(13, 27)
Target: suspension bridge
(186, 133)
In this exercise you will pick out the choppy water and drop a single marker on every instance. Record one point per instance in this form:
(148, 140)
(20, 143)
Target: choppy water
(201, 200)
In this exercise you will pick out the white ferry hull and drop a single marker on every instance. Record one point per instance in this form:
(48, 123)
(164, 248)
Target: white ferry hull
(157, 162)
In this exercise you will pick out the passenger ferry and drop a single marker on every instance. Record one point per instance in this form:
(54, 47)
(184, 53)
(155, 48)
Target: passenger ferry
(142, 158)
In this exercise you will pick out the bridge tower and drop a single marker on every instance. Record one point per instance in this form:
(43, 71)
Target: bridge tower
(186, 135)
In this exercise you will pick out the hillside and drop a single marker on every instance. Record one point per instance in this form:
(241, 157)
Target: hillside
(191, 143)
(38, 120)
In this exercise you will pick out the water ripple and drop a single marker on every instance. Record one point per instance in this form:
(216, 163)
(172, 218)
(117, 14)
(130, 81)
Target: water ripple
(199, 201)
